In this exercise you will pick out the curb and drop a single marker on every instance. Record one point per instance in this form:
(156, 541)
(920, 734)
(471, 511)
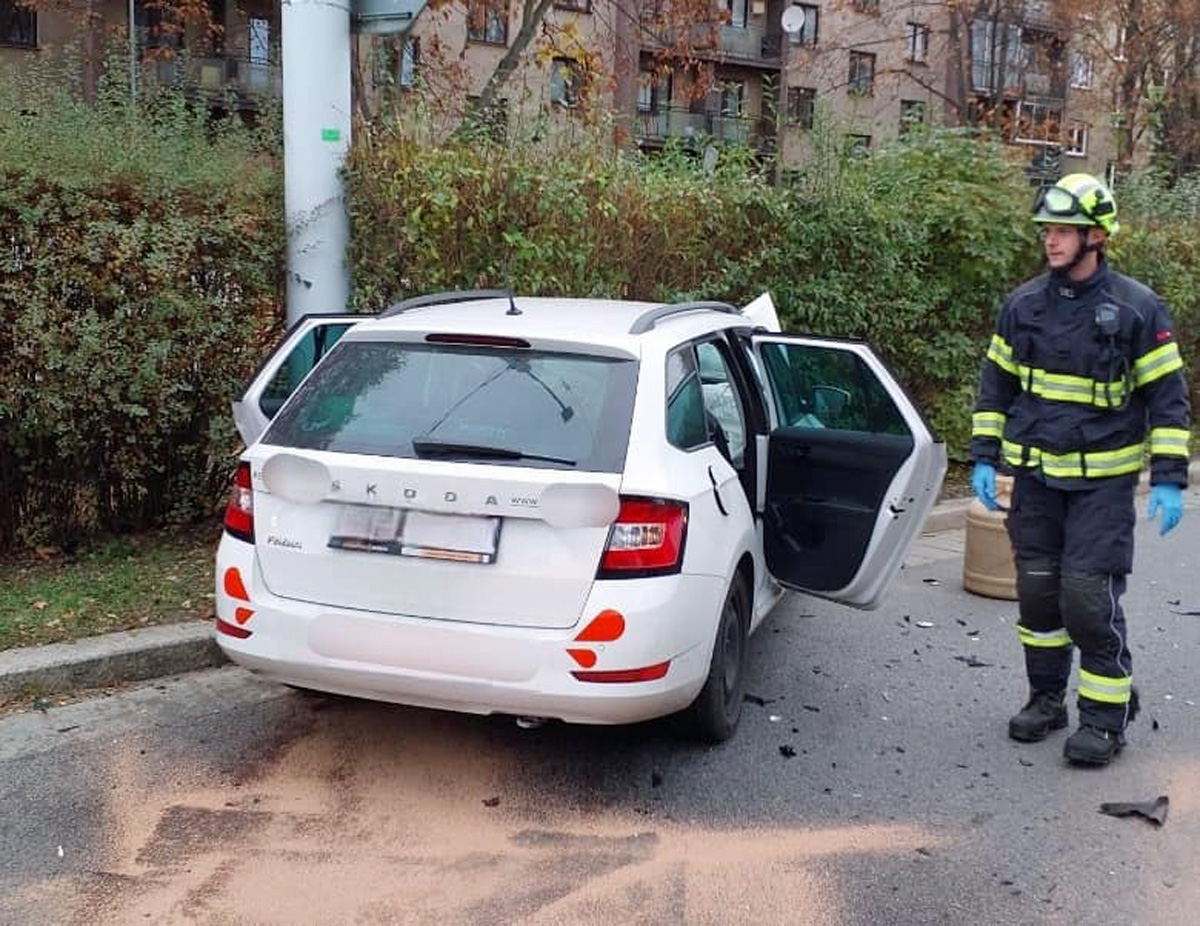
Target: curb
(952, 514)
(94, 662)
(152, 652)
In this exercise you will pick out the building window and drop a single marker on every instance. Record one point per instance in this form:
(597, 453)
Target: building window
(916, 39)
(487, 21)
(733, 96)
(565, 79)
(802, 106)
(1083, 71)
(867, 6)
(858, 146)
(575, 6)
(396, 62)
(808, 32)
(259, 39)
(1077, 139)
(998, 55)
(18, 25)
(1038, 123)
(862, 73)
(1119, 44)
(912, 112)
(737, 13)
(654, 91)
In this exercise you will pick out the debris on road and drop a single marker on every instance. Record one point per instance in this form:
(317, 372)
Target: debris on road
(811, 707)
(973, 662)
(1186, 613)
(931, 581)
(774, 718)
(755, 699)
(491, 802)
(924, 625)
(1153, 723)
(1154, 811)
(921, 850)
(787, 751)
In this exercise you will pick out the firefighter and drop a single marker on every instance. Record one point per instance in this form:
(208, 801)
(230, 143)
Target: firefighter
(1082, 378)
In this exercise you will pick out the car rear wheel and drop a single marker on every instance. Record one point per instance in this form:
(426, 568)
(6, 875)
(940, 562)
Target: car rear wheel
(713, 716)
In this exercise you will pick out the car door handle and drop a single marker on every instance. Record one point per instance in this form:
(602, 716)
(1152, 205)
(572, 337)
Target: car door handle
(717, 492)
(794, 452)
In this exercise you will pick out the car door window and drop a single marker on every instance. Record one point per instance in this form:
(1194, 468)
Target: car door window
(721, 400)
(822, 388)
(315, 344)
(686, 428)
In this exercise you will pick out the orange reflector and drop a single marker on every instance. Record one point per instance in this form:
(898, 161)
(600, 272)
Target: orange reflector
(233, 585)
(241, 615)
(605, 627)
(232, 630)
(648, 674)
(585, 657)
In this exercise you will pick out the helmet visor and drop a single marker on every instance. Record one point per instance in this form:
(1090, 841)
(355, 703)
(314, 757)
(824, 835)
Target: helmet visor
(1055, 201)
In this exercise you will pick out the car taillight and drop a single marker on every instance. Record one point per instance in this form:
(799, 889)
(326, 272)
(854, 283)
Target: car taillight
(239, 513)
(646, 539)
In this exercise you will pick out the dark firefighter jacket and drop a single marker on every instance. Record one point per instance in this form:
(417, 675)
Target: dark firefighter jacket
(1081, 381)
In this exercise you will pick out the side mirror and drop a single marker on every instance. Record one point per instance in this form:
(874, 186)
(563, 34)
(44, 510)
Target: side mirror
(829, 401)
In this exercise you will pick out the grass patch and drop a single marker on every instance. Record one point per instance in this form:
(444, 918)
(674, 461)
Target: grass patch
(117, 583)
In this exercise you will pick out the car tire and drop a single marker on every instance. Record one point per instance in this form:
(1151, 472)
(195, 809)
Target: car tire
(713, 716)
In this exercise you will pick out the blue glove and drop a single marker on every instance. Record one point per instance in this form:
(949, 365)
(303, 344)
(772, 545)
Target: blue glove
(1170, 499)
(983, 481)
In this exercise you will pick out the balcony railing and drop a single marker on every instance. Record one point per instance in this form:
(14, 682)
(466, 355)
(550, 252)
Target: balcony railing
(749, 43)
(220, 75)
(661, 124)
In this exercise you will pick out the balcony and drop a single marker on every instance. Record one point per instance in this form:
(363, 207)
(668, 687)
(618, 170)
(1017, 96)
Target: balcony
(655, 126)
(219, 77)
(748, 45)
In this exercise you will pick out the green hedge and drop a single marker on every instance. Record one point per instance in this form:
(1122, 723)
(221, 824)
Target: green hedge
(140, 265)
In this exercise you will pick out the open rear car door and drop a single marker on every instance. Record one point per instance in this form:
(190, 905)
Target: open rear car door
(852, 469)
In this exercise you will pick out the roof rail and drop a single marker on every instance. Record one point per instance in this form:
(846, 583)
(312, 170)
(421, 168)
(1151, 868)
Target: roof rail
(651, 317)
(431, 299)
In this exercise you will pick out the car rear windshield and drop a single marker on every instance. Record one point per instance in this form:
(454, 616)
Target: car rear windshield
(564, 410)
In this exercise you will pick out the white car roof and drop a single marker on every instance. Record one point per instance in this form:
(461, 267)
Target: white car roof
(600, 322)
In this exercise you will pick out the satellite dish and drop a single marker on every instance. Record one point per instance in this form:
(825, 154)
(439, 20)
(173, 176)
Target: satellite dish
(792, 20)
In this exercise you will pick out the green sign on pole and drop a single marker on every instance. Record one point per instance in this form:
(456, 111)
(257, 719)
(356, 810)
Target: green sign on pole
(331, 134)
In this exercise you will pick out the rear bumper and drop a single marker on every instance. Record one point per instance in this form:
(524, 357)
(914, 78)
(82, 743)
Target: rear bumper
(477, 668)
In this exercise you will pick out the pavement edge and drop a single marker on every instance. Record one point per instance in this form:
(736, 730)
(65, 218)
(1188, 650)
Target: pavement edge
(110, 659)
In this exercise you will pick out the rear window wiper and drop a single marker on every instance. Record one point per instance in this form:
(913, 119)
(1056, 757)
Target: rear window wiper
(437, 448)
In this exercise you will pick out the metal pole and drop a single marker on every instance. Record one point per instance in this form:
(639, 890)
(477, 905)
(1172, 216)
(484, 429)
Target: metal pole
(316, 137)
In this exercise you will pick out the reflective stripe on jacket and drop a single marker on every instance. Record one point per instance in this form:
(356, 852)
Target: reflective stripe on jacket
(1075, 400)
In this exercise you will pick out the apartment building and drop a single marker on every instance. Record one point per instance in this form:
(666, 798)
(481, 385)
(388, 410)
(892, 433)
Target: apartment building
(233, 65)
(863, 71)
(868, 70)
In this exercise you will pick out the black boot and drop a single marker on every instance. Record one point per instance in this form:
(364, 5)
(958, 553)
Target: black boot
(1046, 711)
(1093, 745)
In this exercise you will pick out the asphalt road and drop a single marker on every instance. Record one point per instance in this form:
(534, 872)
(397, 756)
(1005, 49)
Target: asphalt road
(219, 799)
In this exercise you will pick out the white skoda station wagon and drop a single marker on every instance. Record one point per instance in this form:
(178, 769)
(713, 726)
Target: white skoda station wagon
(558, 508)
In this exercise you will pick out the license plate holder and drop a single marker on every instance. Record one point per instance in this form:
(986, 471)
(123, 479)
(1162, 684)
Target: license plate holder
(422, 534)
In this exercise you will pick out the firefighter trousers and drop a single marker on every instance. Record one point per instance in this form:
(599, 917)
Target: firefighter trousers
(1073, 552)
